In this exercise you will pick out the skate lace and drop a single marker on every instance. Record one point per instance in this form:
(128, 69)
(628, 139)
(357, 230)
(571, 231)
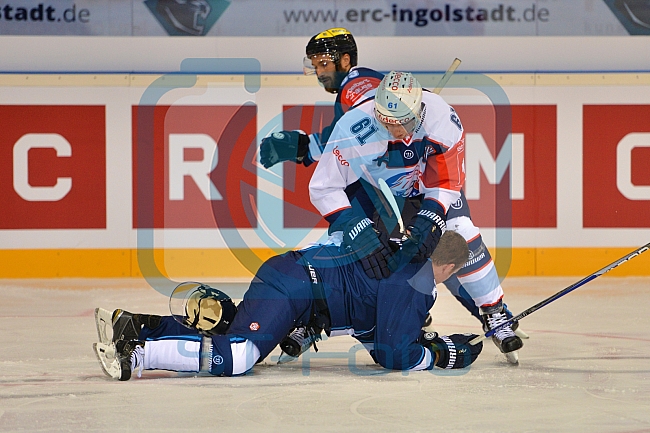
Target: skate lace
(305, 338)
(497, 319)
(298, 335)
(137, 360)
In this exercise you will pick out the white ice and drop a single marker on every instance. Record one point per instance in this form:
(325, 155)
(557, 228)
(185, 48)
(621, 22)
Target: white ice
(586, 368)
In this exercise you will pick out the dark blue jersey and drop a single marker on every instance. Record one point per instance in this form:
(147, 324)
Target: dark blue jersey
(385, 315)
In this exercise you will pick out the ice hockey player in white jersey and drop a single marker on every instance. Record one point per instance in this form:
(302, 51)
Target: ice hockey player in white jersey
(316, 288)
(415, 142)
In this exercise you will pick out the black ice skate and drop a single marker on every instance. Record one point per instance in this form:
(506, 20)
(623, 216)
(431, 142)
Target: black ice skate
(124, 325)
(505, 338)
(119, 360)
(130, 354)
(296, 343)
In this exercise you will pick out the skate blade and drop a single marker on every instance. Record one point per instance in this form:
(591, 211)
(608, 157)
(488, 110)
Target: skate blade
(521, 334)
(107, 360)
(104, 322)
(284, 358)
(512, 357)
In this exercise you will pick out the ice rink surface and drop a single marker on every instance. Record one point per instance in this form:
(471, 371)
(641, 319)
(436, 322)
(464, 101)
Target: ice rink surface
(586, 368)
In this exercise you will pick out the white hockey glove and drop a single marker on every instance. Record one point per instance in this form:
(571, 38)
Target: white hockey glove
(284, 146)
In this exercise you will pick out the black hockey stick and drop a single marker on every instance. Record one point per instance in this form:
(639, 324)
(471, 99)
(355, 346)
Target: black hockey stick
(561, 293)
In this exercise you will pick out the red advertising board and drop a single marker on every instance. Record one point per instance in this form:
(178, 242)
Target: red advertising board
(616, 166)
(53, 166)
(538, 205)
(194, 166)
(298, 210)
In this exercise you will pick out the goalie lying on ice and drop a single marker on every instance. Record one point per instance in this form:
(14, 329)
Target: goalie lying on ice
(319, 288)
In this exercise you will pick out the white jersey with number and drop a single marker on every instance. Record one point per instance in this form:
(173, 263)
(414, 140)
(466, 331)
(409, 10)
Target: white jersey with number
(429, 162)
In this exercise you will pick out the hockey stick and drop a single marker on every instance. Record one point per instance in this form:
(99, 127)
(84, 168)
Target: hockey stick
(385, 189)
(561, 293)
(443, 81)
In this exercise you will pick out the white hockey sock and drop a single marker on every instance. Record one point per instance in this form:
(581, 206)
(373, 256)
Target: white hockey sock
(175, 355)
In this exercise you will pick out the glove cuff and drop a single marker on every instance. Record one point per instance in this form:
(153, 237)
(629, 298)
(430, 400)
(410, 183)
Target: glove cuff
(303, 147)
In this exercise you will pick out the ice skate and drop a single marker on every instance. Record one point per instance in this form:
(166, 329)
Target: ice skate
(119, 360)
(505, 338)
(122, 324)
(515, 326)
(107, 359)
(296, 343)
(104, 322)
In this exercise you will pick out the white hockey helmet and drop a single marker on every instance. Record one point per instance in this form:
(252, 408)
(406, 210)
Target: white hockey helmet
(398, 100)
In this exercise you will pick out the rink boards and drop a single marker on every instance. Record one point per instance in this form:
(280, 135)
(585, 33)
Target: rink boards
(113, 175)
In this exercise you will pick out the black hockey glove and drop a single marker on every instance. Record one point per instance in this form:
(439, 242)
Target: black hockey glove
(368, 246)
(454, 351)
(424, 234)
(284, 146)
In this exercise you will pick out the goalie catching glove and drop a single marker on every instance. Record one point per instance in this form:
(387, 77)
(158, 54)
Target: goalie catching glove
(367, 245)
(453, 351)
(423, 234)
(284, 146)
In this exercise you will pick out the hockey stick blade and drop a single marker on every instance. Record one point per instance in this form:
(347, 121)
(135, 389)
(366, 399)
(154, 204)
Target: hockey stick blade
(443, 81)
(561, 293)
(385, 189)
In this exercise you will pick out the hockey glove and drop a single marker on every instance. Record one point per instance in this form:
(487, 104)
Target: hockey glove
(424, 234)
(284, 146)
(453, 351)
(366, 244)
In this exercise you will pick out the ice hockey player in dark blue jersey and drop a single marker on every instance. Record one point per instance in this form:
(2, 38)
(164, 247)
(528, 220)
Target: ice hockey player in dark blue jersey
(332, 56)
(320, 288)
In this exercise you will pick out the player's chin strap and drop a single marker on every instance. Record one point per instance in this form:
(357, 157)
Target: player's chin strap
(320, 319)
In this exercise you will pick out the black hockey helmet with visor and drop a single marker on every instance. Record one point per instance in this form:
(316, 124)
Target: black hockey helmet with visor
(330, 44)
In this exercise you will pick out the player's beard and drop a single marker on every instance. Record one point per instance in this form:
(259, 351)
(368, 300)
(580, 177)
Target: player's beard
(332, 82)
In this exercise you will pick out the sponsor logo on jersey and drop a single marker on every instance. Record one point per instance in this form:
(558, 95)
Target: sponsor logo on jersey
(338, 155)
(408, 154)
(254, 326)
(357, 90)
(217, 360)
